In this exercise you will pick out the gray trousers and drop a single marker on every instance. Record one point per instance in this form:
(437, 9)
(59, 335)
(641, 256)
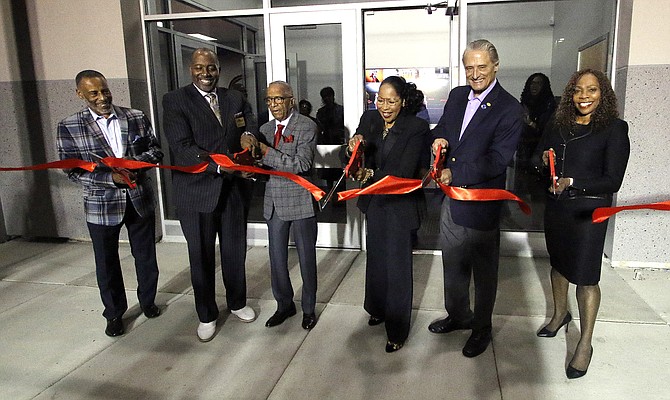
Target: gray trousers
(469, 253)
(304, 234)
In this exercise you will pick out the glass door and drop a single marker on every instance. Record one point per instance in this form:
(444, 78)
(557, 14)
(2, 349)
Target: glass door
(425, 52)
(315, 53)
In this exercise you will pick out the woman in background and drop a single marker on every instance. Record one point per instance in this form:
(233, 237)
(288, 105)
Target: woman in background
(591, 147)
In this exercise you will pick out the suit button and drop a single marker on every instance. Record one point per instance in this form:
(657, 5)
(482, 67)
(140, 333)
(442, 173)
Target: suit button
(453, 159)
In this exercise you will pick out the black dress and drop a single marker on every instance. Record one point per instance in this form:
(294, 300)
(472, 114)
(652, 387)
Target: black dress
(596, 160)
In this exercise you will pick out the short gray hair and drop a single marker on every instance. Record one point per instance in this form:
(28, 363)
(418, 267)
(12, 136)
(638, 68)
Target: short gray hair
(287, 88)
(483, 45)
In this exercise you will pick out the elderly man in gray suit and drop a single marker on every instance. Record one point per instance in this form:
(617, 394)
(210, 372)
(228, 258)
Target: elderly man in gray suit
(288, 143)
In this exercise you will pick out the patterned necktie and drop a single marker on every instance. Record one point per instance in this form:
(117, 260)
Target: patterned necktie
(214, 105)
(280, 128)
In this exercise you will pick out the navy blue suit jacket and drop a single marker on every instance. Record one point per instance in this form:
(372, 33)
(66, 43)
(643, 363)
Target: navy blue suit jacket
(480, 158)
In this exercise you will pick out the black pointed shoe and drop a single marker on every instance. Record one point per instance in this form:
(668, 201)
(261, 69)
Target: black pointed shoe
(544, 332)
(574, 373)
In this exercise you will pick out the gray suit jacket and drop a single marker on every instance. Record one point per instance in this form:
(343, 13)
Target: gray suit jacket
(295, 154)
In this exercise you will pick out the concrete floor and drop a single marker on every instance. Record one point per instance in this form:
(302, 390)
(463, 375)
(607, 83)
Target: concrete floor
(53, 346)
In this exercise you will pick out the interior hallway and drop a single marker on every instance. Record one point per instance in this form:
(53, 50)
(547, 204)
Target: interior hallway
(53, 345)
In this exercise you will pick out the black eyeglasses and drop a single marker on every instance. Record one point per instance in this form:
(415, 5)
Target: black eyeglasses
(276, 100)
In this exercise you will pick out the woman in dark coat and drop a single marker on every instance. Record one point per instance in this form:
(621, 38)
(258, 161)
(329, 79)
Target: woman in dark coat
(591, 147)
(394, 140)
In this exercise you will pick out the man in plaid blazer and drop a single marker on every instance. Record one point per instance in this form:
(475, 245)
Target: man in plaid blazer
(288, 143)
(104, 130)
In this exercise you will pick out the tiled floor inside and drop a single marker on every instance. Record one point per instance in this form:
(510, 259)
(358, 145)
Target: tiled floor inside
(53, 346)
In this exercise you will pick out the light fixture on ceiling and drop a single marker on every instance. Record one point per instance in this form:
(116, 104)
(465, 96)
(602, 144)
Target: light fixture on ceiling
(202, 37)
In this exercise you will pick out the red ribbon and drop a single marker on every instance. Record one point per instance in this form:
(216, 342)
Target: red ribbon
(459, 193)
(603, 213)
(394, 185)
(114, 162)
(355, 161)
(226, 162)
(387, 185)
(62, 164)
(552, 169)
(463, 194)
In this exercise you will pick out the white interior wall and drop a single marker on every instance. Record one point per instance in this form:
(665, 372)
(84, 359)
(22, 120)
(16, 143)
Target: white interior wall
(523, 36)
(319, 62)
(421, 40)
(577, 24)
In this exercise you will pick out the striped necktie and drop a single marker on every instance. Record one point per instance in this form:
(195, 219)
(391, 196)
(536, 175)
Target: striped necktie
(214, 105)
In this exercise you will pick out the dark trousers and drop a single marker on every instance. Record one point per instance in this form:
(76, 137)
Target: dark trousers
(388, 272)
(200, 230)
(469, 253)
(304, 234)
(141, 234)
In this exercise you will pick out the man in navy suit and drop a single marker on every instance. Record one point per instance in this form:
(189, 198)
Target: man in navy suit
(202, 119)
(478, 132)
(288, 143)
(104, 130)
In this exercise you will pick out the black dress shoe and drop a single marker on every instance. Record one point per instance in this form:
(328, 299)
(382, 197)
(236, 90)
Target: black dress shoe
(375, 320)
(477, 343)
(152, 311)
(280, 316)
(544, 332)
(308, 321)
(448, 325)
(393, 346)
(114, 327)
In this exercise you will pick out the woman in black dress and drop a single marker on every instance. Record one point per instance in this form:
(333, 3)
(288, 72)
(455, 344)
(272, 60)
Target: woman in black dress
(394, 143)
(591, 147)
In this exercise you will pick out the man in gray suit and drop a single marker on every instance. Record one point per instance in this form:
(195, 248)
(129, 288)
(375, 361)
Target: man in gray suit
(288, 143)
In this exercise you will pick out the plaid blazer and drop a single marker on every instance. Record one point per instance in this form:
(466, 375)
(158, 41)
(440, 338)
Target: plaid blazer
(79, 136)
(295, 154)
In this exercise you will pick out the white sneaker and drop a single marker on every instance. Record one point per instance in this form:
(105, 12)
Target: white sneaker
(206, 331)
(245, 314)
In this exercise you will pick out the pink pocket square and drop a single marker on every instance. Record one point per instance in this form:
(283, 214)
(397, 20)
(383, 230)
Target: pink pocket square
(288, 139)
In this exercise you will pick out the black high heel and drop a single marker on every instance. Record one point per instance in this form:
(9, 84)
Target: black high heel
(544, 332)
(574, 373)
(375, 320)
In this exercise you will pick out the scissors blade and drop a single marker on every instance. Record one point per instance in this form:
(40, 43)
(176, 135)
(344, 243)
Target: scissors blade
(426, 178)
(330, 194)
(96, 156)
